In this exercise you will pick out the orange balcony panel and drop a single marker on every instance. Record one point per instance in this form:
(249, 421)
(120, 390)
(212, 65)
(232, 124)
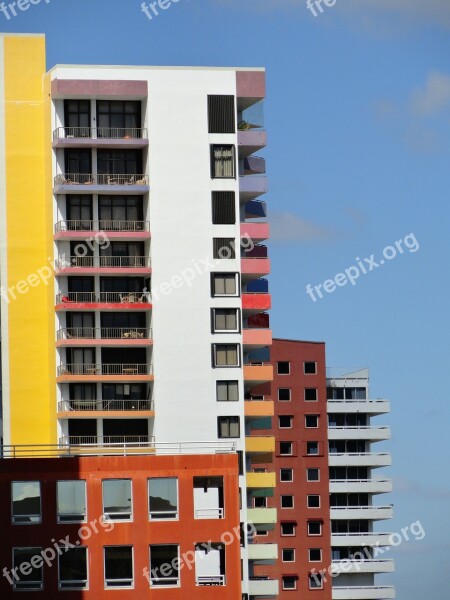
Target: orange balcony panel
(257, 337)
(255, 266)
(259, 409)
(258, 373)
(255, 231)
(256, 301)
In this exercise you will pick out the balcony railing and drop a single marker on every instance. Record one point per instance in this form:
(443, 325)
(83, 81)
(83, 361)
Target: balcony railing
(114, 133)
(107, 440)
(104, 405)
(104, 333)
(104, 369)
(209, 513)
(103, 298)
(103, 262)
(102, 225)
(100, 179)
(210, 580)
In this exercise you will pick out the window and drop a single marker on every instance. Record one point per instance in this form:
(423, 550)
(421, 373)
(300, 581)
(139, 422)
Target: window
(224, 284)
(164, 565)
(314, 527)
(315, 582)
(77, 114)
(223, 161)
(284, 395)
(78, 161)
(221, 114)
(288, 529)
(118, 566)
(262, 532)
(315, 555)
(312, 475)
(260, 502)
(121, 212)
(286, 449)
(312, 421)
(225, 319)
(313, 501)
(286, 475)
(26, 502)
(288, 555)
(226, 355)
(71, 501)
(118, 115)
(224, 248)
(310, 368)
(289, 582)
(227, 391)
(311, 394)
(283, 368)
(228, 427)
(117, 499)
(79, 212)
(223, 208)
(287, 501)
(312, 448)
(73, 569)
(285, 422)
(163, 498)
(31, 576)
(119, 162)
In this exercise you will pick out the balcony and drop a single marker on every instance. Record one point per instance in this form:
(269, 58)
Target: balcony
(104, 336)
(255, 266)
(107, 300)
(258, 373)
(93, 183)
(374, 434)
(104, 372)
(256, 301)
(260, 444)
(258, 409)
(92, 409)
(105, 265)
(100, 137)
(250, 141)
(210, 580)
(263, 554)
(371, 513)
(256, 209)
(254, 165)
(252, 186)
(110, 441)
(370, 407)
(263, 587)
(265, 517)
(384, 592)
(360, 459)
(365, 566)
(266, 480)
(363, 486)
(117, 230)
(361, 539)
(257, 232)
(257, 338)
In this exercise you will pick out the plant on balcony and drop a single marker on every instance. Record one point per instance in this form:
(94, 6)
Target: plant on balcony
(243, 126)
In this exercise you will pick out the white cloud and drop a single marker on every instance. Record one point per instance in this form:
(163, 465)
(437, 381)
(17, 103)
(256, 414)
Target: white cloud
(434, 97)
(288, 227)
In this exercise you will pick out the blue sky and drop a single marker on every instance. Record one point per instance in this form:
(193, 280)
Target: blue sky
(358, 115)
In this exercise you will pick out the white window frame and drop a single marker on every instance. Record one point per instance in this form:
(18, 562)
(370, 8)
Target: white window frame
(313, 507)
(118, 587)
(290, 395)
(309, 555)
(287, 496)
(289, 589)
(287, 480)
(312, 426)
(238, 320)
(288, 534)
(236, 366)
(291, 453)
(16, 520)
(223, 274)
(177, 514)
(315, 587)
(289, 364)
(178, 583)
(309, 362)
(317, 394)
(131, 514)
(313, 469)
(315, 534)
(287, 417)
(64, 521)
(313, 453)
(288, 550)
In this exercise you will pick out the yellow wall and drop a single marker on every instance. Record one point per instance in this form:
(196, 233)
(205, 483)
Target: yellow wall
(32, 393)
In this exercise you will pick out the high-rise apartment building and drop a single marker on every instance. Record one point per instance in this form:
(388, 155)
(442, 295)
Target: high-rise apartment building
(133, 286)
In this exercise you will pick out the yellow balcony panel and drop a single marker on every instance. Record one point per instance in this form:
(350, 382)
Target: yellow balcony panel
(261, 480)
(259, 409)
(263, 553)
(260, 444)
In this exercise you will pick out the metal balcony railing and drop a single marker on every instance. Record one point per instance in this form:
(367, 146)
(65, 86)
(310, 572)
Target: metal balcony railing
(104, 333)
(113, 133)
(107, 440)
(210, 580)
(103, 298)
(100, 179)
(104, 405)
(102, 225)
(103, 262)
(104, 369)
(209, 513)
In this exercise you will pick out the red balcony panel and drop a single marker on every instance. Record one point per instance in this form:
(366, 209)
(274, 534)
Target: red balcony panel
(256, 301)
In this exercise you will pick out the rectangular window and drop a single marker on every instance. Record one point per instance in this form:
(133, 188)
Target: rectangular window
(315, 555)
(71, 501)
(311, 394)
(223, 162)
(312, 421)
(312, 448)
(224, 284)
(26, 502)
(289, 582)
(284, 394)
(315, 582)
(118, 566)
(312, 475)
(117, 499)
(285, 422)
(283, 367)
(313, 501)
(163, 498)
(224, 248)
(31, 577)
(226, 355)
(73, 569)
(221, 114)
(310, 368)
(226, 319)
(286, 475)
(164, 565)
(118, 118)
(260, 502)
(286, 449)
(314, 527)
(287, 501)
(227, 391)
(287, 529)
(288, 555)
(228, 427)
(223, 208)
(77, 118)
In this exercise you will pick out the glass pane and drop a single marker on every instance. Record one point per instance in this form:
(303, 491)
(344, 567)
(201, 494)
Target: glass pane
(163, 565)
(71, 500)
(32, 579)
(118, 565)
(163, 498)
(230, 285)
(117, 502)
(26, 501)
(73, 568)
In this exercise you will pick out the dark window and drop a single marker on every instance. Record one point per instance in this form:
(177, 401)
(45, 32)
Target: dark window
(286, 449)
(313, 501)
(77, 114)
(119, 208)
(310, 368)
(78, 161)
(288, 555)
(228, 427)
(283, 367)
(314, 527)
(79, 212)
(285, 422)
(119, 115)
(312, 448)
(73, 571)
(223, 162)
(287, 528)
(315, 555)
(287, 501)
(221, 114)
(284, 394)
(119, 162)
(313, 474)
(33, 580)
(315, 582)
(260, 502)
(289, 582)
(164, 565)
(118, 566)
(286, 475)
(223, 208)
(311, 421)
(224, 248)
(310, 394)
